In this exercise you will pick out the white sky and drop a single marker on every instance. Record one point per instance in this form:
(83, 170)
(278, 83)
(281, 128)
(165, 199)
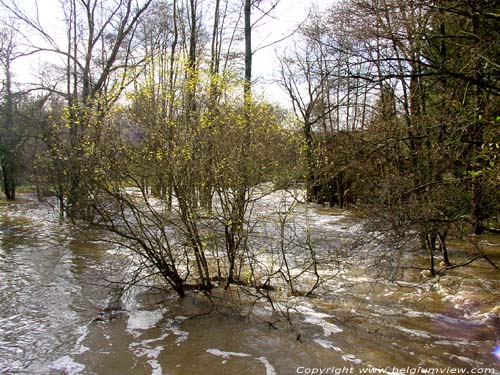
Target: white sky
(287, 15)
(284, 20)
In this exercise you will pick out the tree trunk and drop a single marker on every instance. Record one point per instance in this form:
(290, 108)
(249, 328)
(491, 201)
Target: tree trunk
(431, 242)
(7, 136)
(9, 183)
(248, 49)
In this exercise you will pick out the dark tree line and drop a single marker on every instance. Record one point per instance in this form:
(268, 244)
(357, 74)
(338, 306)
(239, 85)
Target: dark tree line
(399, 105)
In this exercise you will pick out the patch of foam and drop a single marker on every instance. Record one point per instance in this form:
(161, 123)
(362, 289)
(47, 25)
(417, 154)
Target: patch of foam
(459, 301)
(143, 349)
(269, 368)
(68, 365)
(181, 335)
(152, 353)
(150, 341)
(155, 365)
(414, 332)
(352, 358)
(327, 344)
(226, 355)
(360, 279)
(143, 320)
(439, 317)
(491, 316)
(351, 229)
(318, 319)
(458, 344)
(79, 348)
(116, 251)
(330, 220)
(466, 360)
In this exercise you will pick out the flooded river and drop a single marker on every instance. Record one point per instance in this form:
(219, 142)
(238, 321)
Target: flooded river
(54, 289)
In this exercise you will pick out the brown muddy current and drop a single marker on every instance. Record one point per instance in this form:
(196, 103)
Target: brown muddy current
(54, 287)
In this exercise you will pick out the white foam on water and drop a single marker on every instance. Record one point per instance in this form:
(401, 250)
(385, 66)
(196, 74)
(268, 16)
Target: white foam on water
(177, 331)
(327, 220)
(269, 368)
(226, 355)
(491, 316)
(155, 365)
(318, 319)
(147, 342)
(327, 344)
(440, 317)
(151, 352)
(117, 250)
(79, 348)
(352, 358)
(68, 365)
(351, 229)
(414, 332)
(466, 360)
(459, 300)
(458, 344)
(143, 320)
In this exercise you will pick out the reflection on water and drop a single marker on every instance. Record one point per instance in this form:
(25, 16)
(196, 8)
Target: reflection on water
(52, 289)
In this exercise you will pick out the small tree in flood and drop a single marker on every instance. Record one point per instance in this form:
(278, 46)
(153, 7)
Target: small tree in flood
(177, 238)
(249, 149)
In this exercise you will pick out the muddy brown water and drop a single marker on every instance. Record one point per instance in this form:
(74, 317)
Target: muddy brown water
(52, 289)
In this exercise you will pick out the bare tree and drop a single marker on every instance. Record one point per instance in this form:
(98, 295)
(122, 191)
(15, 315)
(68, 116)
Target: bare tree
(99, 45)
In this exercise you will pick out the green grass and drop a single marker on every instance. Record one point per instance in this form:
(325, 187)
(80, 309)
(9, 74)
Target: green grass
(26, 189)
